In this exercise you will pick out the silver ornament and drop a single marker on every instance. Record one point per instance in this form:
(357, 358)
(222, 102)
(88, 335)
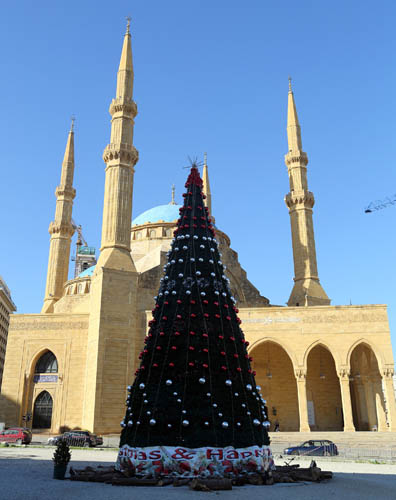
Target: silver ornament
(249, 387)
(153, 421)
(169, 426)
(130, 423)
(206, 424)
(220, 414)
(185, 423)
(168, 382)
(201, 380)
(184, 412)
(224, 425)
(228, 383)
(214, 405)
(239, 424)
(141, 386)
(256, 422)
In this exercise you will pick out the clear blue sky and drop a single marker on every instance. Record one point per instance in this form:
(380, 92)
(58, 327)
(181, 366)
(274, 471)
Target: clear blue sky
(209, 76)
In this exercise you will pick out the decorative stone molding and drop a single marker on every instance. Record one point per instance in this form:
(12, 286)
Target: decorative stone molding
(67, 192)
(300, 197)
(301, 158)
(300, 374)
(65, 229)
(388, 373)
(344, 373)
(122, 106)
(123, 152)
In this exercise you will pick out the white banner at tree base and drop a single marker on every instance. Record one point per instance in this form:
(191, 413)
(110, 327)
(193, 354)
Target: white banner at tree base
(190, 462)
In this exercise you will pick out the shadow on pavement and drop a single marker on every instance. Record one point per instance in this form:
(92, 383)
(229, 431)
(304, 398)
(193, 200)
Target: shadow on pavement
(30, 478)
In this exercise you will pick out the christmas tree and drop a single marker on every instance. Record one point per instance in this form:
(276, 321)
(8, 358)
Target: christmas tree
(195, 387)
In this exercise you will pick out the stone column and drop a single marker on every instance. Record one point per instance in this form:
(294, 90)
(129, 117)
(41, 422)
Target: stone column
(379, 402)
(346, 400)
(301, 374)
(370, 402)
(390, 397)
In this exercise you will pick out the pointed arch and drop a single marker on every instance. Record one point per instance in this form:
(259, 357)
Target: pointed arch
(335, 356)
(46, 363)
(285, 347)
(378, 355)
(42, 411)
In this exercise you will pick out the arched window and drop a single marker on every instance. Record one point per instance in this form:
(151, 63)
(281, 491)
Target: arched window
(153, 233)
(47, 363)
(168, 233)
(138, 235)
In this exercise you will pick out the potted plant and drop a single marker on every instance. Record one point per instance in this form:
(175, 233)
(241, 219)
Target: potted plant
(61, 459)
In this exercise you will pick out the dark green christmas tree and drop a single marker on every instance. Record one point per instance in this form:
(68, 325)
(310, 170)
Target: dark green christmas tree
(195, 386)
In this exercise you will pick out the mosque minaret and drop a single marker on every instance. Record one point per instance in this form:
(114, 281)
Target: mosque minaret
(306, 290)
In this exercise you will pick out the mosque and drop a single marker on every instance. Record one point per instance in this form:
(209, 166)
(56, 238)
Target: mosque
(321, 367)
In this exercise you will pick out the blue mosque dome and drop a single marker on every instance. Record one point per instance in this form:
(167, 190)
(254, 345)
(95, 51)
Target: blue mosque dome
(165, 213)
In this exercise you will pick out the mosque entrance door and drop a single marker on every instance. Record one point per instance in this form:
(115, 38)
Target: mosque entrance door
(42, 413)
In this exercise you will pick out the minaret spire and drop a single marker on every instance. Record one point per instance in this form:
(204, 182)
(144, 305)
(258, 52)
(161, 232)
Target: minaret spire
(172, 202)
(307, 290)
(61, 230)
(206, 185)
(120, 157)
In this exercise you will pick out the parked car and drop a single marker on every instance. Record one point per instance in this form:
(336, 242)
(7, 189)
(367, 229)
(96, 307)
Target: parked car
(316, 448)
(17, 435)
(78, 438)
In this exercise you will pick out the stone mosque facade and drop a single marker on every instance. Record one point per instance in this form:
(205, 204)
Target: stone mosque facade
(321, 367)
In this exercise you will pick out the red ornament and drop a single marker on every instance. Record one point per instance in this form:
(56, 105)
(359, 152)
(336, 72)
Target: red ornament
(174, 348)
(203, 226)
(221, 337)
(222, 353)
(226, 306)
(192, 302)
(239, 321)
(162, 334)
(166, 303)
(193, 315)
(205, 302)
(224, 368)
(205, 350)
(216, 303)
(206, 315)
(205, 335)
(253, 373)
(155, 365)
(171, 365)
(228, 317)
(217, 316)
(239, 369)
(250, 358)
(159, 348)
(178, 316)
(164, 318)
(191, 348)
(190, 363)
(178, 301)
(177, 334)
(236, 355)
(192, 333)
(232, 338)
(249, 371)
(205, 365)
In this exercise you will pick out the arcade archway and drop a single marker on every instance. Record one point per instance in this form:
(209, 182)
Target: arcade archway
(275, 375)
(368, 406)
(324, 402)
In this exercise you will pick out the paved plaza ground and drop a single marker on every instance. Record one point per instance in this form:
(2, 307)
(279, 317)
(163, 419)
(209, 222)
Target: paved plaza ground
(26, 474)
